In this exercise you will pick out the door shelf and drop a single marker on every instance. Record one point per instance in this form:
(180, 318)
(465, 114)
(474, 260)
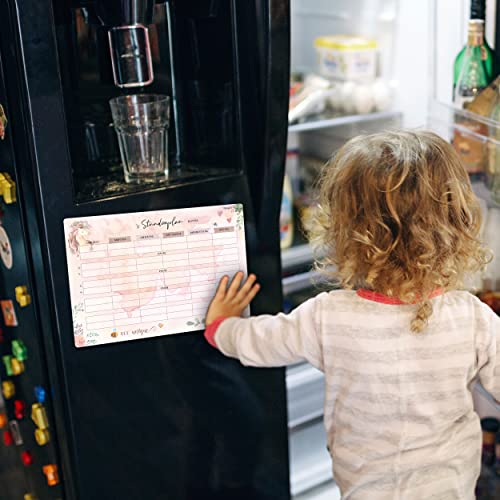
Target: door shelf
(327, 491)
(467, 130)
(327, 121)
(310, 462)
(305, 394)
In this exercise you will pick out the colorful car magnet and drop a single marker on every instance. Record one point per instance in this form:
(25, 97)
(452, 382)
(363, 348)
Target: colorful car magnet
(9, 313)
(3, 123)
(5, 248)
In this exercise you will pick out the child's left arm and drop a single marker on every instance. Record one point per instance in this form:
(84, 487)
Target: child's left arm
(262, 340)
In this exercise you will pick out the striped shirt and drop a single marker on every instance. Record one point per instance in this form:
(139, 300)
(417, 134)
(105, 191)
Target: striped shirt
(398, 413)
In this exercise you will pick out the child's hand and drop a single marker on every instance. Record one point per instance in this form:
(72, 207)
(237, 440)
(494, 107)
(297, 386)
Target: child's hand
(231, 301)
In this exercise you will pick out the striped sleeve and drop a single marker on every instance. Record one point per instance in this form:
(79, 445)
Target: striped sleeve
(270, 341)
(488, 355)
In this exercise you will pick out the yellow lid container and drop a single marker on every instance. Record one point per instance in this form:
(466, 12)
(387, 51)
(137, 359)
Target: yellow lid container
(346, 57)
(345, 42)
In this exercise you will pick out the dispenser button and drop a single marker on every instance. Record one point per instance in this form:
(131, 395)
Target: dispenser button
(8, 440)
(27, 458)
(8, 389)
(22, 296)
(40, 394)
(7, 188)
(39, 416)
(17, 366)
(7, 362)
(19, 350)
(42, 436)
(51, 474)
(19, 409)
(3, 420)
(30, 496)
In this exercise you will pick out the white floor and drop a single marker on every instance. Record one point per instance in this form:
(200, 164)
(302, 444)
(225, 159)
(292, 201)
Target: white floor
(328, 491)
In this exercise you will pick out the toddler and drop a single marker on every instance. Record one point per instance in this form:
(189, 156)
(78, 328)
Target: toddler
(400, 343)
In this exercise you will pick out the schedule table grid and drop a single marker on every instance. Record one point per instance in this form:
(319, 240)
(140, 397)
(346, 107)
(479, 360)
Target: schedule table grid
(151, 273)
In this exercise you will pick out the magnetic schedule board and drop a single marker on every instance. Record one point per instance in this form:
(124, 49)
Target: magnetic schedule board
(148, 274)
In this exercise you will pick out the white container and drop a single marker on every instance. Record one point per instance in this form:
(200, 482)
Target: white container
(344, 57)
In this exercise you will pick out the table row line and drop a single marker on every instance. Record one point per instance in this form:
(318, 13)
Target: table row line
(163, 268)
(143, 299)
(160, 277)
(167, 288)
(164, 316)
(159, 257)
(126, 241)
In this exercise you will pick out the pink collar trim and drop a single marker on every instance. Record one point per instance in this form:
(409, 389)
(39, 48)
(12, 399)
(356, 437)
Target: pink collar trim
(384, 299)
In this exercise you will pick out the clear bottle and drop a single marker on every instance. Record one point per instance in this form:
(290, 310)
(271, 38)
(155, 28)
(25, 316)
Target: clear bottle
(473, 75)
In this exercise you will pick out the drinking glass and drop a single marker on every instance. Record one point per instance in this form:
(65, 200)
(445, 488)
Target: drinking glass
(141, 123)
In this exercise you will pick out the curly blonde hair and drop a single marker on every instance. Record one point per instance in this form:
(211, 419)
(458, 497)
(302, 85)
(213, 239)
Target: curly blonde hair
(397, 215)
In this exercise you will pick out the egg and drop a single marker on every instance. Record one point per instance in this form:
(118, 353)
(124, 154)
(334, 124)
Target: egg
(381, 95)
(335, 97)
(347, 94)
(362, 99)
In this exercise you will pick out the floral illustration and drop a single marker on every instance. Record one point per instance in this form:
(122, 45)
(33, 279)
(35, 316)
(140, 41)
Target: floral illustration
(238, 211)
(196, 322)
(80, 341)
(78, 236)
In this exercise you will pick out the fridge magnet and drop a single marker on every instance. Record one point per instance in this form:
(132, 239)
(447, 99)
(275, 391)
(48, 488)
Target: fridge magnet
(3, 123)
(9, 313)
(5, 249)
(148, 274)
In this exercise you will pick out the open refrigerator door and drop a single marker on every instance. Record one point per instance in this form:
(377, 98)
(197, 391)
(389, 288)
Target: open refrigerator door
(363, 66)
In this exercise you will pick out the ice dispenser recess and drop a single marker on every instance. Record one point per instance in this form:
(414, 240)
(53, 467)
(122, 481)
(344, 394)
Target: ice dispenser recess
(183, 50)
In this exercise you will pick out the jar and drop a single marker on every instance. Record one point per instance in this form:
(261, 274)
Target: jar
(344, 57)
(490, 428)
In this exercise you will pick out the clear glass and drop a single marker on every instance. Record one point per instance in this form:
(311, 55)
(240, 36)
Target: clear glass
(141, 123)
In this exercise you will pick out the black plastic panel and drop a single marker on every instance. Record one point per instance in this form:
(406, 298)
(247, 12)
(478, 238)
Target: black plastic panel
(168, 417)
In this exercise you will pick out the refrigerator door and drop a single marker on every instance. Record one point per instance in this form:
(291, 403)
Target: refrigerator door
(28, 439)
(168, 417)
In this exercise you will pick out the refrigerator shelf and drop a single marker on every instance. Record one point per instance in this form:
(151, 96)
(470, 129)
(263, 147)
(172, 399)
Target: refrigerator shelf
(317, 123)
(296, 256)
(298, 282)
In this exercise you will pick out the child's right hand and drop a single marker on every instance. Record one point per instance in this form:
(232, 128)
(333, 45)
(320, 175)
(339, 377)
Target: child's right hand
(232, 301)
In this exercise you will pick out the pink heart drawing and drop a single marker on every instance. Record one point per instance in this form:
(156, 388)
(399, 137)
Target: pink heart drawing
(219, 213)
(229, 219)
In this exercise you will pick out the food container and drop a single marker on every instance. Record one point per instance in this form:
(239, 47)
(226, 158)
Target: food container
(344, 57)
(490, 428)
(497, 454)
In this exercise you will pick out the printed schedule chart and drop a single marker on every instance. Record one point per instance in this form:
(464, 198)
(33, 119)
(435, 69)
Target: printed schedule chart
(149, 274)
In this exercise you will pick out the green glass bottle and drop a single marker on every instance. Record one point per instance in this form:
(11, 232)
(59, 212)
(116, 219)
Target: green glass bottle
(478, 13)
(473, 75)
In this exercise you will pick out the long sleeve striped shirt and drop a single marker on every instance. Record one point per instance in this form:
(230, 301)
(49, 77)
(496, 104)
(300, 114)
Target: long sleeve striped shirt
(398, 407)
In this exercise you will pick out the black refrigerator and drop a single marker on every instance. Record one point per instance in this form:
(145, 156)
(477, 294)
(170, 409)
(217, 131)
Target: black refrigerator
(158, 418)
